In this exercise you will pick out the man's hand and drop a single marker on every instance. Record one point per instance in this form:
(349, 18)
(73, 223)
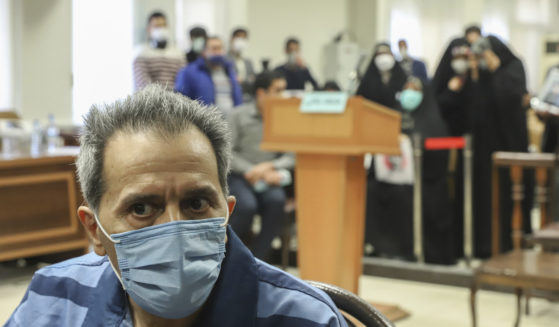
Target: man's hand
(299, 61)
(493, 61)
(259, 171)
(455, 84)
(273, 177)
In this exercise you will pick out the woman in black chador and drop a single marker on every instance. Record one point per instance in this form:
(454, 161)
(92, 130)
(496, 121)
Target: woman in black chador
(390, 200)
(479, 90)
(384, 77)
(382, 80)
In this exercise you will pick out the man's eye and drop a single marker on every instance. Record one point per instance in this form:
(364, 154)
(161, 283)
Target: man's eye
(197, 204)
(142, 209)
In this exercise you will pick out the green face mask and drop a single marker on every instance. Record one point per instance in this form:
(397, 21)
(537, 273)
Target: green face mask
(410, 99)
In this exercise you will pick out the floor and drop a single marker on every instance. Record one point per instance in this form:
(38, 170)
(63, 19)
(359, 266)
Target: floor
(429, 305)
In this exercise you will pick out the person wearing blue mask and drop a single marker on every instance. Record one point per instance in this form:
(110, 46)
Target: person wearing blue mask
(153, 171)
(211, 79)
(390, 193)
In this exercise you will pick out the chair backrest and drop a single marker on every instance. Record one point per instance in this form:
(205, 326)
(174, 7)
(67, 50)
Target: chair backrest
(543, 164)
(354, 306)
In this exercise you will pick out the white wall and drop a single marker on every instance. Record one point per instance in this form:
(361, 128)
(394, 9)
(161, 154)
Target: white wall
(314, 22)
(6, 56)
(43, 61)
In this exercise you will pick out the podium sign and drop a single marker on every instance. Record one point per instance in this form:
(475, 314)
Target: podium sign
(330, 179)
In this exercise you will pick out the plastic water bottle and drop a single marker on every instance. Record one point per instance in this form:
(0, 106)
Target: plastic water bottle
(52, 134)
(36, 139)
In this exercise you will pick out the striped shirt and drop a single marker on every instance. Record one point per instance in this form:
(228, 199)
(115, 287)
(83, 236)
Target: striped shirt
(84, 291)
(157, 66)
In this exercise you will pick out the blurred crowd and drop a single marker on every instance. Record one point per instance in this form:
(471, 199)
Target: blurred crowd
(478, 89)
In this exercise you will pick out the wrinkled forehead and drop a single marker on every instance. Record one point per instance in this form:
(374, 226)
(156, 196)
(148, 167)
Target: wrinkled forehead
(129, 155)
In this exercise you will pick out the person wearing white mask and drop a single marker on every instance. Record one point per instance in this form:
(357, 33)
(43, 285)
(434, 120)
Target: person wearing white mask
(242, 65)
(198, 37)
(157, 61)
(384, 77)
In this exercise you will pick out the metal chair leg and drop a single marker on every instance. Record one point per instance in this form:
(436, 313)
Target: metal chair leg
(473, 291)
(518, 306)
(528, 295)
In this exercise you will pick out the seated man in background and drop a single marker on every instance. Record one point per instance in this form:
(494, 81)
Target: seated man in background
(211, 78)
(152, 169)
(257, 176)
(158, 61)
(295, 71)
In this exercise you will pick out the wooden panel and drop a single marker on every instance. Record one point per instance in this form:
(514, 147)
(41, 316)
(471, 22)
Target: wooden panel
(47, 208)
(38, 203)
(363, 127)
(330, 218)
(311, 125)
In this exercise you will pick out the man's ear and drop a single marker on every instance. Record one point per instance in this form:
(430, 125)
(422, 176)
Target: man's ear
(231, 201)
(87, 218)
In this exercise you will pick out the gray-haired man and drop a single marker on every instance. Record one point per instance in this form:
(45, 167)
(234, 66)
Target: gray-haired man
(153, 171)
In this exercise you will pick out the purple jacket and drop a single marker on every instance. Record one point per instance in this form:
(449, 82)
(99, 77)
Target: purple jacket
(195, 81)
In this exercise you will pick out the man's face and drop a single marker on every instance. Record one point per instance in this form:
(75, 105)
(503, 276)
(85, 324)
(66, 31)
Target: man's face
(472, 37)
(153, 180)
(214, 47)
(274, 91)
(292, 48)
(157, 22)
(403, 47)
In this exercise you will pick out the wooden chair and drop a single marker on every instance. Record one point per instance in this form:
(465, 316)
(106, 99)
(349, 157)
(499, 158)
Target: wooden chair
(521, 269)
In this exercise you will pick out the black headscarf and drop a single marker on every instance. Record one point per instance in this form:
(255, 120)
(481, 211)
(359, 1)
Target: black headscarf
(501, 50)
(372, 87)
(508, 86)
(453, 105)
(444, 71)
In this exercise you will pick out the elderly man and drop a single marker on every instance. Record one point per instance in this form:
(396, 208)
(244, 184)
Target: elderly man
(153, 169)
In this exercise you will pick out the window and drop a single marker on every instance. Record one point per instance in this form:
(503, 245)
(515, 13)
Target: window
(102, 53)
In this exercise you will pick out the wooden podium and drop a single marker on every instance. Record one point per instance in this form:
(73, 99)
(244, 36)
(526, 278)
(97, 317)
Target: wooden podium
(330, 179)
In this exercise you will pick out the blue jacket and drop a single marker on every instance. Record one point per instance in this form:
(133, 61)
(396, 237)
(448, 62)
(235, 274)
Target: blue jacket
(85, 291)
(419, 70)
(195, 81)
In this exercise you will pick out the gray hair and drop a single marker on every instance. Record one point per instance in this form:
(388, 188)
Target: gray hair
(154, 109)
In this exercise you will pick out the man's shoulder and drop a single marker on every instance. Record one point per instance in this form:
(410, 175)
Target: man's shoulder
(283, 297)
(281, 68)
(66, 291)
(194, 68)
(85, 271)
(244, 109)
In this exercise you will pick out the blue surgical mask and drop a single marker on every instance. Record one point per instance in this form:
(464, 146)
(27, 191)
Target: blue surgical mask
(170, 269)
(217, 60)
(410, 99)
